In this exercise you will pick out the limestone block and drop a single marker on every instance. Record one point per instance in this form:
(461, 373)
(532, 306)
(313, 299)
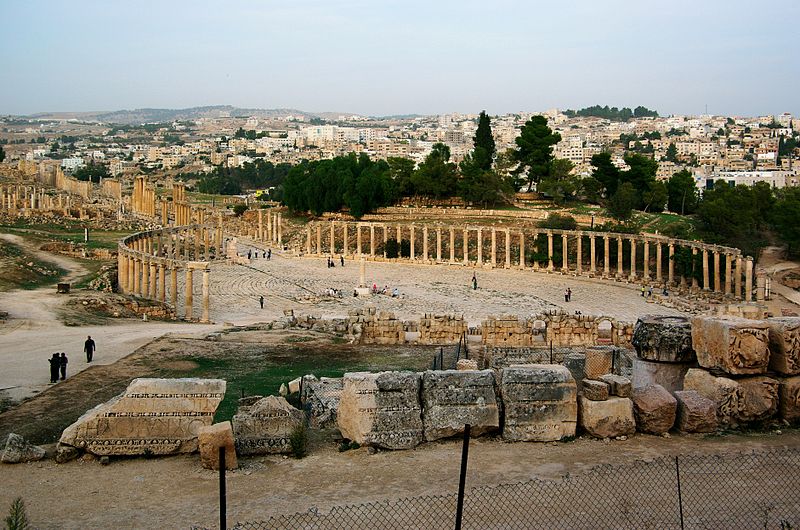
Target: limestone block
(152, 416)
(18, 450)
(789, 407)
(321, 399)
(758, 398)
(576, 364)
(663, 338)
(598, 361)
(784, 345)
(467, 364)
(695, 412)
(210, 439)
(381, 409)
(668, 375)
(618, 385)
(539, 401)
(736, 346)
(453, 398)
(594, 390)
(654, 409)
(265, 426)
(607, 419)
(722, 391)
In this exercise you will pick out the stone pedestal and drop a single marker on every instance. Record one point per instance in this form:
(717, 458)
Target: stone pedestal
(210, 439)
(668, 375)
(663, 338)
(607, 419)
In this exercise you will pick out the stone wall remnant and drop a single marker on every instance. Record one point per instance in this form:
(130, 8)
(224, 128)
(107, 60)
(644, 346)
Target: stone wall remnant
(265, 426)
(784, 345)
(453, 398)
(735, 346)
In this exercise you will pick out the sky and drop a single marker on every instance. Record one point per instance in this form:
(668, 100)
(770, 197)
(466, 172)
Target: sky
(383, 57)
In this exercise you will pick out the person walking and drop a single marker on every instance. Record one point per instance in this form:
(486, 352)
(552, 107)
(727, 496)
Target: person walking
(341, 260)
(269, 254)
(63, 365)
(566, 295)
(474, 282)
(55, 366)
(89, 348)
(261, 301)
(569, 294)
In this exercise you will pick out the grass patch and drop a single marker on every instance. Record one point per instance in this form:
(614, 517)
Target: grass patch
(22, 271)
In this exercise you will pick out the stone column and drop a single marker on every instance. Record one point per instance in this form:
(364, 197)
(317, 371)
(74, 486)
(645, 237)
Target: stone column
(738, 278)
(452, 245)
(706, 282)
(345, 242)
(633, 259)
(494, 248)
(717, 278)
(646, 263)
(695, 284)
(362, 282)
(728, 274)
(358, 239)
(162, 283)
(564, 253)
(189, 294)
(619, 257)
(319, 240)
(465, 241)
(308, 240)
(144, 286)
(671, 264)
(279, 218)
(748, 279)
(333, 237)
(207, 242)
(522, 250)
(122, 272)
(196, 236)
(606, 257)
(411, 243)
(438, 244)
(260, 225)
(206, 302)
(549, 251)
(592, 254)
(372, 240)
(658, 262)
(579, 252)
(153, 280)
(385, 239)
(173, 288)
(508, 248)
(479, 262)
(425, 244)
(131, 285)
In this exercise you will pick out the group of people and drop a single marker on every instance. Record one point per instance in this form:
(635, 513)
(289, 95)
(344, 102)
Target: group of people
(568, 295)
(395, 293)
(333, 292)
(332, 262)
(58, 361)
(264, 253)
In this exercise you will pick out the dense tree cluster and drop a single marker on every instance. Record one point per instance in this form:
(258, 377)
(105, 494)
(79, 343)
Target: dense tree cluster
(613, 113)
(235, 180)
(92, 172)
(642, 192)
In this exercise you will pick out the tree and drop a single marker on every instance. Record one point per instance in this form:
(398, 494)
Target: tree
(622, 203)
(606, 173)
(400, 170)
(436, 175)
(682, 194)
(642, 174)
(239, 209)
(655, 197)
(784, 218)
(484, 147)
(535, 149)
(560, 184)
(92, 172)
(482, 186)
(672, 153)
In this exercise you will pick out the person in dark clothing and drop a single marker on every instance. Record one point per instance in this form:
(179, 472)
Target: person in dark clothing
(269, 253)
(474, 281)
(63, 365)
(261, 301)
(249, 254)
(55, 366)
(341, 259)
(89, 348)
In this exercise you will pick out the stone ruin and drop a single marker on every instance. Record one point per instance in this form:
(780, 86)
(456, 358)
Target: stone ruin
(555, 327)
(453, 398)
(441, 329)
(539, 403)
(265, 426)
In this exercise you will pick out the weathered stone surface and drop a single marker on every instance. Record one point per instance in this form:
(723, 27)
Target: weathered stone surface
(789, 391)
(722, 391)
(758, 398)
(576, 364)
(736, 346)
(17, 450)
(668, 375)
(594, 390)
(210, 439)
(320, 397)
(265, 426)
(65, 453)
(539, 401)
(607, 419)
(599, 361)
(618, 385)
(152, 416)
(784, 345)
(654, 409)
(381, 410)
(466, 364)
(663, 338)
(695, 412)
(453, 398)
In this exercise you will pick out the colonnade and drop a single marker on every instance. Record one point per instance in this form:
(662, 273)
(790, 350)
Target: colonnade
(19, 197)
(654, 260)
(145, 260)
(269, 229)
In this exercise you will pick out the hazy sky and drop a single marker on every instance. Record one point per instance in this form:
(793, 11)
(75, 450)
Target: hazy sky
(382, 57)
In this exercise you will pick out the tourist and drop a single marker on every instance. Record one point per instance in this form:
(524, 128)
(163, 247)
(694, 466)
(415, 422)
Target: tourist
(569, 294)
(395, 293)
(474, 281)
(650, 292)
(341, 259)
(566, 295)
(249, 253)
(269, 253)
(374, 288)
(63, 365)
(665, 293)
(89, 348)
(261, 301)
(642, 290)
(55, 366)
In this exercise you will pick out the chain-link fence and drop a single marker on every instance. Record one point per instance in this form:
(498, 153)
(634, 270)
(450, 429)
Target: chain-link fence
(754, 490)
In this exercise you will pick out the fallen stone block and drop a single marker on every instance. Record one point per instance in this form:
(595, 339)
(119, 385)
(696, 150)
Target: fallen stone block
(722, 391)
(695, 412)
(735, 346)
(539, 402)
(453, 398)
(668, 375)
(152, 416)
(599, 360)
(320, 398)
(466, 364)
(618, 385)
(758, 398)
(210, 439)
(663, 338)
(381, 409)
(789, 406)
(265, 426)
(654, 409)
(17, 450)
(784, 345)
(594, 390)
(607, 419)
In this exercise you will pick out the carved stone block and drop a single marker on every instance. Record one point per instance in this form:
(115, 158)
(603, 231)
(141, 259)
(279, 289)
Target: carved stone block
(663, 338)
(607, 419)
(758, 398)
(381, 409)
(210, 439)
(695, 412)
(453, 398)
(594, 390)
(789, 407)
(724, 392)
(618, 385)
(735, 346)
(265, 426)
(152, 416)
(654, 409)
(540, 402)
(784, 345)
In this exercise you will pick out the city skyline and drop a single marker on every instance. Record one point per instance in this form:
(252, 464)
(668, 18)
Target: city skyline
(414, 58)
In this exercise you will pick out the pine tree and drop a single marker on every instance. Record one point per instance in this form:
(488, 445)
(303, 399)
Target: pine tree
(484, 142)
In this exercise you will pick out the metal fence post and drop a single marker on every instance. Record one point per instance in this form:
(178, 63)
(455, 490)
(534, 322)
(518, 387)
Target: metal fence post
(551, 352)
(680, 498)
(223, 525)
(462, 479)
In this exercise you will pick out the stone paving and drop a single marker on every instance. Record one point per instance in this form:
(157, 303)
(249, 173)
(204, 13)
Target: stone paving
(300, 283)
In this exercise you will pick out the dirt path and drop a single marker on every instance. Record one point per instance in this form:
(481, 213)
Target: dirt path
(772, 261)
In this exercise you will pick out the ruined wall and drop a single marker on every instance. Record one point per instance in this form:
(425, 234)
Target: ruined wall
(441, 329)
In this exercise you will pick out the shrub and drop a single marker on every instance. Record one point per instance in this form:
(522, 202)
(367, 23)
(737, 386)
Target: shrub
(239, 209)
(17, 518)
(299, 442)
(559, 222)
